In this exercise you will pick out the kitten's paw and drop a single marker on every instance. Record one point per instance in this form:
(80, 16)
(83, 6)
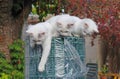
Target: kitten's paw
(41, 68)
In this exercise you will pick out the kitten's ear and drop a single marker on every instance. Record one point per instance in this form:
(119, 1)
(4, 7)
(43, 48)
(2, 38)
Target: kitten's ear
(70, 25)
(41, 34)
(86, 25)
(29, 33)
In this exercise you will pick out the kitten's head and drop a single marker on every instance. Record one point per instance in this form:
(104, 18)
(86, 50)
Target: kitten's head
(37, 33)
(90, 26)
(64, 24)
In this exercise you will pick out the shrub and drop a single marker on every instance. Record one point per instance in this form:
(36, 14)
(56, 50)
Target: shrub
(15, 68)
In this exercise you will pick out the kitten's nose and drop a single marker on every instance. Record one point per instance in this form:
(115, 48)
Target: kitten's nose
(36, 40)
(61, 31)
(64, 31)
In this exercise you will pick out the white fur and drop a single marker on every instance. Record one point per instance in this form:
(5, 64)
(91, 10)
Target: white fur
(53, 21)
(92, 26)
(61, 24)
(37, 37)
(84, 27)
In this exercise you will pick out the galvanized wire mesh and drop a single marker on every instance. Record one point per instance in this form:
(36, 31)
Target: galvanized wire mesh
(57, 55)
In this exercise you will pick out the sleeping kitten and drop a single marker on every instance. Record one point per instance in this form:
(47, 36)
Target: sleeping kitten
(61, 24)
(64, 24)
(41, 34)
(84, 27)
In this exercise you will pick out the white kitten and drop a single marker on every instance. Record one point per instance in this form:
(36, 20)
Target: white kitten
(41, 34)
(84, 27)
(64, 23)
(61, 24)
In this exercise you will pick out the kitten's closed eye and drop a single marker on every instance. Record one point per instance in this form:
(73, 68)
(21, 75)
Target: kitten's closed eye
(86, 25)
(69, 25)
(59, 25)
(41, 34)
(31, 34)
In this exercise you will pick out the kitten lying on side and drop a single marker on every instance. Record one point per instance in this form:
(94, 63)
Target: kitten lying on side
(84, 27)
(41, 34)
